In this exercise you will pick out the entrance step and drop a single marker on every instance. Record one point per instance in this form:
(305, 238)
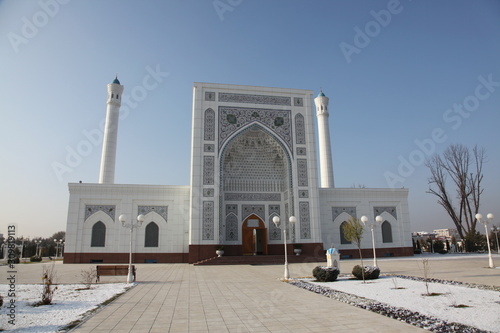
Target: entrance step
(259, 260)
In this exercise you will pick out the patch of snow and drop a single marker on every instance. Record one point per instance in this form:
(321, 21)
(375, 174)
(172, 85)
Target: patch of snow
(68, 304)
(482, 311)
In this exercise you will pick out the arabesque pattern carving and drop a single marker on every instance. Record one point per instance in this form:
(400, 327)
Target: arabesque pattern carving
(231, 227)
(208, 220)
(390, 210)
(336, 211)
(302, 172)
(248, 210)
(92, 209)
(160, 210)
(274, 232)
(231, 119)
(305, 220)
(300, 129)
(208, 170)
(209, 125)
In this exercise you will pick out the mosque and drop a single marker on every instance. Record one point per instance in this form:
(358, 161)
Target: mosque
(254, 154)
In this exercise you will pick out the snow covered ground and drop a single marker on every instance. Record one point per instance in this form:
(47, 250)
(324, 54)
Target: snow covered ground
(69, 304)
(457, 303)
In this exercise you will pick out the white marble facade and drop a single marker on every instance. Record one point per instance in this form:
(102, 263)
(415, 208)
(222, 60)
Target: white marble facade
(253, 157)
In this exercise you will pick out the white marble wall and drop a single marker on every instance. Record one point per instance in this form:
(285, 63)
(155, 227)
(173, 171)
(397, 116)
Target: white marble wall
(173, 233)
(364, 200)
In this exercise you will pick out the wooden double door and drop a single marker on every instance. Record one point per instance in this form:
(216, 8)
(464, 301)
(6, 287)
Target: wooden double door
(254, 236)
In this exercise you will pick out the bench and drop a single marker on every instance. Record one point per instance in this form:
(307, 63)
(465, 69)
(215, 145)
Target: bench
(113, 270)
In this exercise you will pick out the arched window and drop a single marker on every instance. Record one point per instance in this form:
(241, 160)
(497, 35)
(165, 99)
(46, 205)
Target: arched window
(342, 236)
(98, 238)
(151, 237)
(386, 232)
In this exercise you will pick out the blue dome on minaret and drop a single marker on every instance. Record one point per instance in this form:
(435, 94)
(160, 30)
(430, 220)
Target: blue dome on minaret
(115, 81)
(321, 94)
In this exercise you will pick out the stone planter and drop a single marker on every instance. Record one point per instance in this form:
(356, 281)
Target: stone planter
(297, 251)
(219, 253)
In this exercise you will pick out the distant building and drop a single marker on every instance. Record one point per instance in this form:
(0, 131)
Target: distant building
(448, 233)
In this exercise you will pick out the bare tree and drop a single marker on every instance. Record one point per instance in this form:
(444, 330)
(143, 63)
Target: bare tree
(465, 169)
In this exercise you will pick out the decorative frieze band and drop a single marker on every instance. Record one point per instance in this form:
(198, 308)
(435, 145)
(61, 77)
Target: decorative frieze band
(254, 99)
(252, 196)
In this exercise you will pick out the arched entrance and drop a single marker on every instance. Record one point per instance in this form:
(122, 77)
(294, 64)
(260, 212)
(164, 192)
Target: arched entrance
(254, 236)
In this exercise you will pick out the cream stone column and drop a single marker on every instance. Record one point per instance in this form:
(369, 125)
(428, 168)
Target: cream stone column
(325, 149)
(108, 158)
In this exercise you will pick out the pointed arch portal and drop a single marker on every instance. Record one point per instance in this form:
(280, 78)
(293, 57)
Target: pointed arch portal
(254, 236)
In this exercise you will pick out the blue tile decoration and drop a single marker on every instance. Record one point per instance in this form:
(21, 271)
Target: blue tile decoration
(232, 119)
(209, 125)
(252, 196)
(254, 99)
(390, 210)
(336, 211)
(302, 172)
(92, 209)
(300, 129)
(208, 170)
(161, 210)
(208, 220)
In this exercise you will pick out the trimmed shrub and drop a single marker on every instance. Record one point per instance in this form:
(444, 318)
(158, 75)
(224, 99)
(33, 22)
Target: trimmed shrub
(325, 274)
(35, 259)
(371, 272)
(443, 252)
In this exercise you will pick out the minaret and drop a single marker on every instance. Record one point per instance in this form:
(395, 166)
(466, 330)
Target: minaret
(325, 149)
(108, 158)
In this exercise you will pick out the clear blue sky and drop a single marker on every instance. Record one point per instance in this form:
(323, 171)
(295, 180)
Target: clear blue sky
(393, 72)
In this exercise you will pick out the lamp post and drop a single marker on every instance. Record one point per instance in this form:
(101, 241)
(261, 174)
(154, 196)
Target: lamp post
(494, 228)
(486, 222)
(57, 245)
(371, 224)
(131, 226)
(276, 221)
(37, 242)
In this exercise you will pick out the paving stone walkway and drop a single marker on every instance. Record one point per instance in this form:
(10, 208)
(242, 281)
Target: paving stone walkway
(245, 298)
